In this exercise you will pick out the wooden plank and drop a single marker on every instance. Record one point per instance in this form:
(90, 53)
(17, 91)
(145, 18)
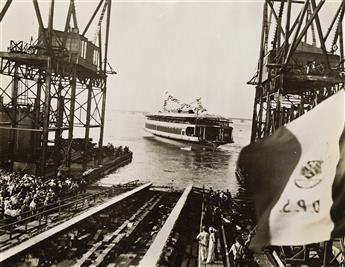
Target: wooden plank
(67, 224)
(153, 254)
(153, 202)
(111, 240)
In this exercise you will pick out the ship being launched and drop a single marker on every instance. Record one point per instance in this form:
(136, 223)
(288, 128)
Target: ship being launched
(190, 125)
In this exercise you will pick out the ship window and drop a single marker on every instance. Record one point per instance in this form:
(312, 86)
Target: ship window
(212, 133)
(190, 131)
(173, 120)
(150, 126)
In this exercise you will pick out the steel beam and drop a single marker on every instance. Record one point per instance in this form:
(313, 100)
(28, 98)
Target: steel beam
(339, 27)
(341, 45)
(333, 20)
(73, 85)
(59, 125)
(287, 26)
(50, 23)
(319, 30)
(87, 123)
(306, 27)
(74, 15)
(278, 20)
(46, 119)
(100, 143)
(153, 254)
(67, 24)
(255, 119)
(14, 113)
(5, 8)
(262, 43)
(40, 22)
(92, 17)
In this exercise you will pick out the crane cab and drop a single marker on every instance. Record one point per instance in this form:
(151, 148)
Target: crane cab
(306, 68)
(78, 48)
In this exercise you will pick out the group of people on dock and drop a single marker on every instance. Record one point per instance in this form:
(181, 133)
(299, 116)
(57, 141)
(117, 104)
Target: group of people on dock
(20, 193)
(214, 202)
(110, 150)
(218, 222)
(208, 244)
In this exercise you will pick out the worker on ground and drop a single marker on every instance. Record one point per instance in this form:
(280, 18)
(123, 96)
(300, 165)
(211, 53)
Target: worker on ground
(236, 252)
(203, 238)
(211, 246)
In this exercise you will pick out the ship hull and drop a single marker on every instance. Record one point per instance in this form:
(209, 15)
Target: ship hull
(186, 143)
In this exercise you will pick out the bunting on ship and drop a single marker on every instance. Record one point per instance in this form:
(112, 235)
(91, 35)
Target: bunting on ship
(298, 177)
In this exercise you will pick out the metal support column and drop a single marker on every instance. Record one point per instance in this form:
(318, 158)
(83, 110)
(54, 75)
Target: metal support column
(87, 124)
(104, 100)
(46, 116)
(73, 85)
(14, 114)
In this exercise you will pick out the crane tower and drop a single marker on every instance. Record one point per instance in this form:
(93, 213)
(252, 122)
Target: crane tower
(51, 86)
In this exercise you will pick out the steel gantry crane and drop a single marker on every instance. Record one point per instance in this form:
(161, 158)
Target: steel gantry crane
(51, 86)
(300, 65)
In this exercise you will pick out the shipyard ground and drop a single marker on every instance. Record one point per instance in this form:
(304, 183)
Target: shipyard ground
(135, 225)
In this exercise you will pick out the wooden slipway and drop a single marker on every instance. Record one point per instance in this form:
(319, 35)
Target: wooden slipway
(63, 226)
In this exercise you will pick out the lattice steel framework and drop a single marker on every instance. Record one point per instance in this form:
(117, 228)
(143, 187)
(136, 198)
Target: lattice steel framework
(300, 65)
(50, 87)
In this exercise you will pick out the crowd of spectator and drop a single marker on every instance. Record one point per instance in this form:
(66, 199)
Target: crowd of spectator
(20, 193)
(110, 150)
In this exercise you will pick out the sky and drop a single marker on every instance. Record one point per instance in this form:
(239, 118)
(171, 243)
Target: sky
(191, 49)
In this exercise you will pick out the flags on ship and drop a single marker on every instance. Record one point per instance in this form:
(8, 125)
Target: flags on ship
(197, 109)
(173, 99)
(298, 178)
(184, 105)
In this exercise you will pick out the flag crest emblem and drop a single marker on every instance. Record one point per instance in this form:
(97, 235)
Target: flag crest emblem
(310, 174)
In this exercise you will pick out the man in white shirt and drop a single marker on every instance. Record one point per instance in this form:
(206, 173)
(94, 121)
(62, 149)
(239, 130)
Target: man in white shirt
(236, 251)
(203, 238)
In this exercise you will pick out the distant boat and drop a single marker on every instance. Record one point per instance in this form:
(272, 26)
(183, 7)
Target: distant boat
(190, 126)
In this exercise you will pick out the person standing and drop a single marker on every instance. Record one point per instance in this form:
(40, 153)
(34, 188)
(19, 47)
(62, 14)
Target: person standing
(203, 238)
(211, 246)
(236, 251)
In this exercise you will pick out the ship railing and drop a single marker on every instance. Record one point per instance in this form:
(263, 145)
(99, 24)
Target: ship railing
(44, 215)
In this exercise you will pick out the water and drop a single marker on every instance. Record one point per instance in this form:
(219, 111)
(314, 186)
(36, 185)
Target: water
(166, 162)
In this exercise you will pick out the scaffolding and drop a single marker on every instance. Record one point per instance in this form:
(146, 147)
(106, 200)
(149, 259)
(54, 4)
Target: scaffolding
(294, 76)
(51, 86)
